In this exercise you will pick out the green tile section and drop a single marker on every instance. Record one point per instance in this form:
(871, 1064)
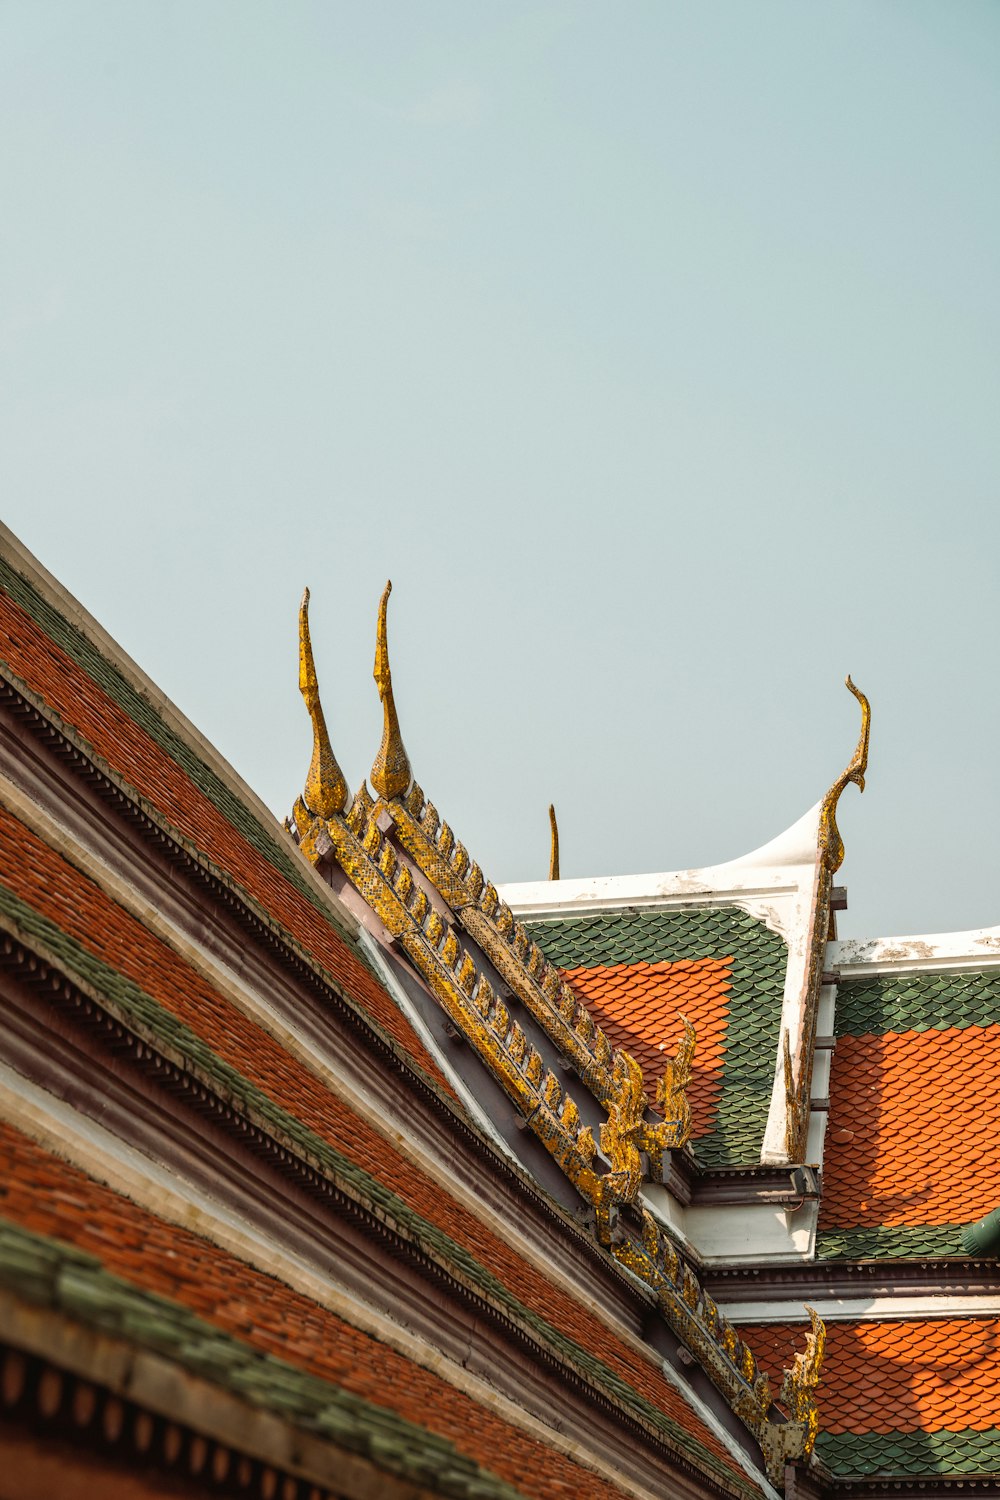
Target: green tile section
(132, 1005)
(911, 1453)
(917, 1002)
(902, 1240)
(759, 960)
(47, 1272)
(111, 681)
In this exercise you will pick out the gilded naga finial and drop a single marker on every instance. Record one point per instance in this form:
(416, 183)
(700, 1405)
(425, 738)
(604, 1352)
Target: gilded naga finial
(326, 789)
(391, 774)
(830, 842)
(554, 846)
(671, 1091)
(800, 1382)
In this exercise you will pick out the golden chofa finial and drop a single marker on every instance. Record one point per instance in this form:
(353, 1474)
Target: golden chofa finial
(554, 844)
(391, 774)
(830, 843)
(326, 790)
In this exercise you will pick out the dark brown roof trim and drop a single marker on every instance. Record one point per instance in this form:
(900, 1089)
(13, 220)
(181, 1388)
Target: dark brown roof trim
(859, 1278)
(785, 1186)
(816, 1482)
(93, 1427)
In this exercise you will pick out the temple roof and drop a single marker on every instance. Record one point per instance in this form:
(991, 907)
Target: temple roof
(913, 1150)
(570, 1097)
(215, 1082)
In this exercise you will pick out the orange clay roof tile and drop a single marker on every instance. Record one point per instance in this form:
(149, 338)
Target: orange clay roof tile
(914, 1137)
(639, 1006)
(906, 1375)
(206, 814)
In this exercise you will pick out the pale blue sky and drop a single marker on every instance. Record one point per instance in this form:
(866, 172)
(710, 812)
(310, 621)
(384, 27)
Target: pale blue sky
(652, 349)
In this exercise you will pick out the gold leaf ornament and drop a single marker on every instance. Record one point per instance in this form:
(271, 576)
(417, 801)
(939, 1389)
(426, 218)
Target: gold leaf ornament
(391, 774)
(326, 789)
(830, 842)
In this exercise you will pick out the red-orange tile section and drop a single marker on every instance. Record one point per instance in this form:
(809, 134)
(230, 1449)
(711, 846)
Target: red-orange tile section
(127, 748)
(914, 1131)
(60, 892)
(46, 1195)
(638, 1005)
(927, 1375)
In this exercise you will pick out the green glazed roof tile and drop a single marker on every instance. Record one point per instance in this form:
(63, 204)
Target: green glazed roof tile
(79, 1284)
(911, 1453)
(139, 708)
(880, 1003)
(902, 1240)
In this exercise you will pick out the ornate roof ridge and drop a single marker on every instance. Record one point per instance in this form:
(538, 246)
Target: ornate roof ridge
(362, 842)
(364, 851)
(538, 984)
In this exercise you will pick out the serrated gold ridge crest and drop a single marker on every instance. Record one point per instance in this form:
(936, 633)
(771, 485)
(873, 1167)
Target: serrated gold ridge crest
(371, 843)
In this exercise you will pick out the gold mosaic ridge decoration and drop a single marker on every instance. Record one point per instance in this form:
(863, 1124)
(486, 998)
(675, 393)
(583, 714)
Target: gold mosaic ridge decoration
(791, 1097)
(830, 842)
(797, 1394)
(671, 1091)
(431, 941)
(522, 965)
(360, 841)
(391, 774)
(554, 844)
(326, 788)
(469, 1000)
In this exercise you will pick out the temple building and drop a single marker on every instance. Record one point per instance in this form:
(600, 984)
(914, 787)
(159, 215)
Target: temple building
(332, 1170)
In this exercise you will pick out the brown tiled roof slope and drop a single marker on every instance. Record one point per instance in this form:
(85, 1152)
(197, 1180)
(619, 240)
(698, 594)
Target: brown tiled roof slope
(151, 988)
(98, 702)
(258, 1335)
(913, 1146)
(902, 1397)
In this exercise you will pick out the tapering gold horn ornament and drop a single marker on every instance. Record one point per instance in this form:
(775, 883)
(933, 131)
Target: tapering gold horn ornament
(554, 844)
(325, 792)
(391, 774)
(830, 842)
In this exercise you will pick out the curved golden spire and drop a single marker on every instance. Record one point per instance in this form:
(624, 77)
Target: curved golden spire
(830, 843)
(326, 790)
(554, 847)
(391, 774)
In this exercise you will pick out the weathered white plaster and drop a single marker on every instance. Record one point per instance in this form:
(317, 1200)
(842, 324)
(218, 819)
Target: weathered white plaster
(416, 1020)
(816, 1137)
(821, 1074)
(842, 1309)
(750, 1233)
(331, 1071)
(975, 949)
(725, 1437)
